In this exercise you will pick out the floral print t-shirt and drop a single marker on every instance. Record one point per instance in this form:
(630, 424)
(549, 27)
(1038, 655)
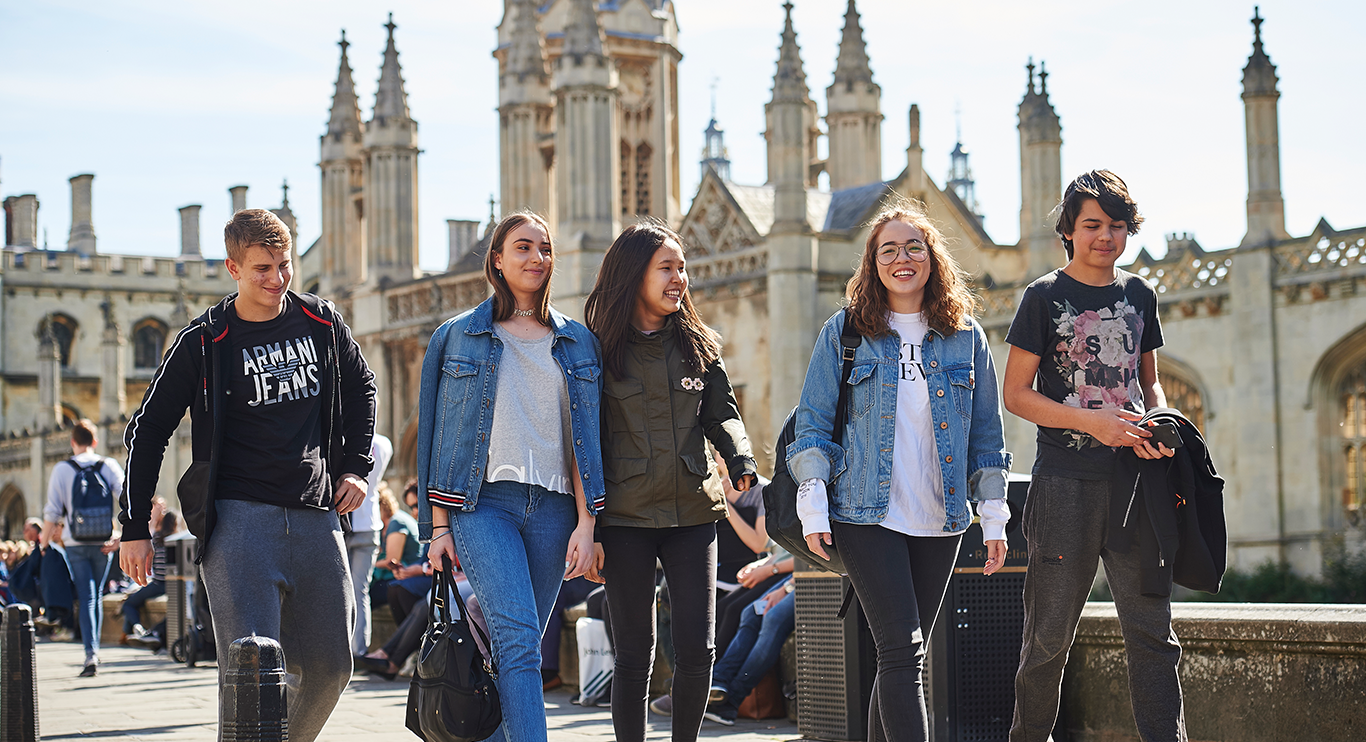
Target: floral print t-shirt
(1089, 340)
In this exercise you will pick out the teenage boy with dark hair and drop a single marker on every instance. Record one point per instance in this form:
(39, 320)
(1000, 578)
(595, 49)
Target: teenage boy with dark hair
(282, 408)
(1088, 334)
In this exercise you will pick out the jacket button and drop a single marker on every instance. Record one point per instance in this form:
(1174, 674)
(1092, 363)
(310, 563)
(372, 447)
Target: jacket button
(943, 426)
(573, 407)
(934, 364)
(579, 441)
(950, 490)
(585, 476)
(940, 393)
(948, 459)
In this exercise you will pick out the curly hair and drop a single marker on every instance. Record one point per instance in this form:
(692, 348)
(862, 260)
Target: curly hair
(949, 301)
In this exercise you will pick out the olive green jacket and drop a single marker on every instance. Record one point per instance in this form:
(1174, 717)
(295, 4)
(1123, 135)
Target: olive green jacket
(655, 463)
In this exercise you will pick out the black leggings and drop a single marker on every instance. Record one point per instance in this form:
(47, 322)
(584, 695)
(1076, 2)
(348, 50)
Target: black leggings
(900, 581)
(689, 557)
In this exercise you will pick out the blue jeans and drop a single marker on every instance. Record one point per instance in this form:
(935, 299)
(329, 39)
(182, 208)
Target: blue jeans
(512, 548)
(132, 605)
(89, 569)
(756, 646)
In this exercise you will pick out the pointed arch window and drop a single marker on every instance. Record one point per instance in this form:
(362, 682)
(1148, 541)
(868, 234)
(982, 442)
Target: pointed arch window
(1352, 444)
(63, 333)
(643, 155)
(626, 159)
(149, 342)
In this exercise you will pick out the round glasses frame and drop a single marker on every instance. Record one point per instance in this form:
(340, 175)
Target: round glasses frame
(915, 250)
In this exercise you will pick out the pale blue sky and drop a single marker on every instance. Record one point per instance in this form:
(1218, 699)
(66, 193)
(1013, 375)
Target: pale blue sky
(171, 103)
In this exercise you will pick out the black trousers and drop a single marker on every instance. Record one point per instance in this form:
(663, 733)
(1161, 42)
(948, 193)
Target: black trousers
(900, 581)
(689, 558)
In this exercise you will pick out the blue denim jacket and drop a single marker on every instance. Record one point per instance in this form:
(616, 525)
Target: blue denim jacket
(967, 423)
(455, 407)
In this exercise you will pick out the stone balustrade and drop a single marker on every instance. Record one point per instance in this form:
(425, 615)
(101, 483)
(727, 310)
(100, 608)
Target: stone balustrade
(1249, 672)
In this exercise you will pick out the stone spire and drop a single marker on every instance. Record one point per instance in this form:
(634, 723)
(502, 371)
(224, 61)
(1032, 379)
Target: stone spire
(345, 117)
(342, 161)
(1040, 176)
(792, 246)
(853, 113)
(286, 215)
(789, 82)
(791, 118)
(391, 101)
(526, 114)
(587, 154)
(526, 56)
(1265, 204)
(582, 32)
(49, 376)
(390, 191)
(852, 66)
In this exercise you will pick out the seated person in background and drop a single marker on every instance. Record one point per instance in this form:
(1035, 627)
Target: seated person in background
(164, 523)
(23, 579)
(755, 578)
(742, 536)
(764, 625)
(399, 545)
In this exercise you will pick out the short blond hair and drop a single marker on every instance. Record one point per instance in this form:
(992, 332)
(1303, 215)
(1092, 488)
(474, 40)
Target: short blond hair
(250, 227)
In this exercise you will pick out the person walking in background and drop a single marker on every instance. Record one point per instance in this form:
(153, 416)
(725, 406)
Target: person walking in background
(1083, 367)
(665, 393)
(95, 481)
(362, 544)
(282, 410)
(922, 437)
(509, 463)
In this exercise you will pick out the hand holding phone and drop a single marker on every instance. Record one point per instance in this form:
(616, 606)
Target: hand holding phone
(1166, 434)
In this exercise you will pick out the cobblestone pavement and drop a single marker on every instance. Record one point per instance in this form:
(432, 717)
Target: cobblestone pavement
(138, 696)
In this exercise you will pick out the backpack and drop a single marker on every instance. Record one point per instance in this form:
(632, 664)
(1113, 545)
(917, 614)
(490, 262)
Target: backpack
(91, 517)
(780, 494)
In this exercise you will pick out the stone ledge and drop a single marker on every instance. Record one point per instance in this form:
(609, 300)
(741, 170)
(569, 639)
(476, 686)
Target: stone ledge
(1249, 672)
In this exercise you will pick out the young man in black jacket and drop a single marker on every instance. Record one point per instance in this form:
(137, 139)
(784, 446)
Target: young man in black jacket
(282, 408)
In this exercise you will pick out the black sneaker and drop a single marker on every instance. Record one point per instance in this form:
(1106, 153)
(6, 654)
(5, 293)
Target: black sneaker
(723, 714)
(89, 671)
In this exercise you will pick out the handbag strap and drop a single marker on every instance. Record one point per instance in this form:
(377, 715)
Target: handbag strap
(850, 339)
(443, 586)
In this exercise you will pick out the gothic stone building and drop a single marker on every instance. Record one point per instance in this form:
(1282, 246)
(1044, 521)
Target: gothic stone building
(1265, 341)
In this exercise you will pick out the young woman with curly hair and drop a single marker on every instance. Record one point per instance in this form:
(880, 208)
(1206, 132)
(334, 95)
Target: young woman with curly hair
(921, 439)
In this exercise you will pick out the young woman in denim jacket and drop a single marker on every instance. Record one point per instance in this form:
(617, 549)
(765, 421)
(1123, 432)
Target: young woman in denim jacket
(664, 391)
(922, 437)
(508, 459)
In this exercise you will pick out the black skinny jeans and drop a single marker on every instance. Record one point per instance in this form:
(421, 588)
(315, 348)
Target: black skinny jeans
(900, 581)
(689, 558)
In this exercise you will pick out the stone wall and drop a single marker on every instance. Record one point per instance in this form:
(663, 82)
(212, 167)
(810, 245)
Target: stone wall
(1249, 672)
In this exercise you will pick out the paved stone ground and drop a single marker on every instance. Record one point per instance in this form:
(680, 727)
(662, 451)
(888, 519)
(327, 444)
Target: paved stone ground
(138, 696)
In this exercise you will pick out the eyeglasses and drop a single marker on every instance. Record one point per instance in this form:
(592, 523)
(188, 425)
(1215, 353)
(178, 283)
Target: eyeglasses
(915, 250)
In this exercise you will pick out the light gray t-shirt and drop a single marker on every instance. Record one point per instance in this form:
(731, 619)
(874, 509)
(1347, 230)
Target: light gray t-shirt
(531, 428)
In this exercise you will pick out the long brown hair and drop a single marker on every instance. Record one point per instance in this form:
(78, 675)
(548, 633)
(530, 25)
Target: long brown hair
(503, 301)
(948, 302)
(612, 301)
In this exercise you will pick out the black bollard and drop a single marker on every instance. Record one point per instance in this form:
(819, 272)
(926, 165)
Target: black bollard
(18, 673)
(253, 700)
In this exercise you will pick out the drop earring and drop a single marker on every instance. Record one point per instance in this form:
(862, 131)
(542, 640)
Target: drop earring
(500, 272)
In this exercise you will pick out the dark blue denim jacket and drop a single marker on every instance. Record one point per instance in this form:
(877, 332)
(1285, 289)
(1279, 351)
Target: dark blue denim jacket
(967, 423)
(456, 401)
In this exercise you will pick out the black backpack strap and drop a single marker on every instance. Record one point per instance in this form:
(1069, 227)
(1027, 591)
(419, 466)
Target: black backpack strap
(850, 340)
(848, 600)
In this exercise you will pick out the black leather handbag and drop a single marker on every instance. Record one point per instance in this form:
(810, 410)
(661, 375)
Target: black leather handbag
(453, 697)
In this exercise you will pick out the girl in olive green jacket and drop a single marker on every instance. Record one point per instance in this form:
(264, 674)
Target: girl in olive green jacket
(664, 391)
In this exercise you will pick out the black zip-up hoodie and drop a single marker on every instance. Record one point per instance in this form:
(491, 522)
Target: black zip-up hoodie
(192, 376)
(1172, 511)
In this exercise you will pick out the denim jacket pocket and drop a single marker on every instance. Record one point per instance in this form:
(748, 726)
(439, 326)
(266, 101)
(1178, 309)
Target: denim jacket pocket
(459, 379)
(618, 471)
(863, 388)
(962, 381)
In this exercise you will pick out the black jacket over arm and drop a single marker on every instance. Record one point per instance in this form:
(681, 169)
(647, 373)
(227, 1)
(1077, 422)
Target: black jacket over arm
(189, 378)
(1172, 511)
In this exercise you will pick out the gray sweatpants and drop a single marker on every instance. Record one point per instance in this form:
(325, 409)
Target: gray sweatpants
(1065, 523)
(282, 573)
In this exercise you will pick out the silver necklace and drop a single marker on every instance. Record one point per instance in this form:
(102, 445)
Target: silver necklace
(524, 312)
